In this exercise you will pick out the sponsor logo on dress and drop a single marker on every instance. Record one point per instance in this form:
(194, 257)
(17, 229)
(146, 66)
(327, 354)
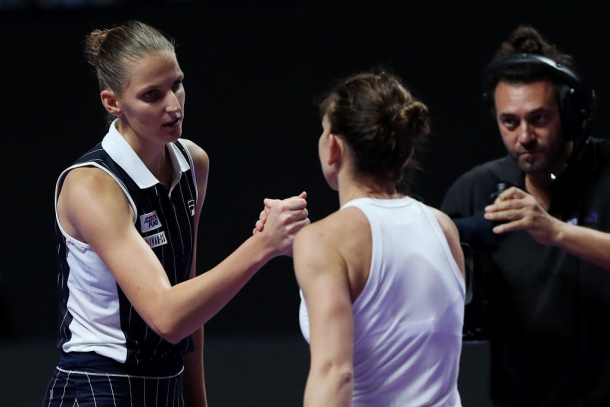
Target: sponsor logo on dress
(149, 221)
(155, 240)
(191, 204)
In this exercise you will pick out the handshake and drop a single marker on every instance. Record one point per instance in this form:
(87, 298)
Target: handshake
(280, 221)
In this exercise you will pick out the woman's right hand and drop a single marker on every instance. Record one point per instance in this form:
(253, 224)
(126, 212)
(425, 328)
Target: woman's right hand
(281, 220)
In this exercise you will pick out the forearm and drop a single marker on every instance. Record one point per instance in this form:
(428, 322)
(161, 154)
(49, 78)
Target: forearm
(330, 388)
(193, 373)
(588, 244)
(187, 306)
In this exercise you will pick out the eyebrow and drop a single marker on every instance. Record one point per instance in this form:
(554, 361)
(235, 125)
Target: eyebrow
(158, 85)
(540, 109)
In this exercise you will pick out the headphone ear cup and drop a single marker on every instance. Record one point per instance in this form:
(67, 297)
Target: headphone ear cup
(571, 120)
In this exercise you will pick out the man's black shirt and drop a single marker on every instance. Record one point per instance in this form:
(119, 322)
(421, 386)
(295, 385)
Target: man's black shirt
(546, 311)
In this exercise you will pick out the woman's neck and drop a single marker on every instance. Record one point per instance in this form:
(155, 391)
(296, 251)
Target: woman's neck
(154, 155)
(366, 187)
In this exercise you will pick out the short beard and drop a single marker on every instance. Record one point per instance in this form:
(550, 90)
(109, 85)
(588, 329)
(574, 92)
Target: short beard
(532, 167)
(545, 163)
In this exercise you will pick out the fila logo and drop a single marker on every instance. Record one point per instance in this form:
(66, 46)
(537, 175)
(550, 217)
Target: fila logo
(156, 240)
(191, 204)
(149, 221)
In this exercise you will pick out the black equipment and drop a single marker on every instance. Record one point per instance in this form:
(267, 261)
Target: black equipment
(500, 187)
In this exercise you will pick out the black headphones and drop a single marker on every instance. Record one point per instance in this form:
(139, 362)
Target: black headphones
(576, 100)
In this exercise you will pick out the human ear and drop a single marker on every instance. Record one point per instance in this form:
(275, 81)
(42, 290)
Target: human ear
(336, 149)
(111, 102)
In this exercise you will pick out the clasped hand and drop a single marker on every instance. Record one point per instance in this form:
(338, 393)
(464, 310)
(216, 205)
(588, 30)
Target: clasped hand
(521, 211)
(281, 220)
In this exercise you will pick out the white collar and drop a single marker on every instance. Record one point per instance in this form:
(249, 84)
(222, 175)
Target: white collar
(121, 152)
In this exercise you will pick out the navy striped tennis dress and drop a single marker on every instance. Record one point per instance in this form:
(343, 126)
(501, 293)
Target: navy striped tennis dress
(110, 356)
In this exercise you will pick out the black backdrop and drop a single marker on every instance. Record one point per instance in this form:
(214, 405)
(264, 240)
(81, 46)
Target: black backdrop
(252, 71)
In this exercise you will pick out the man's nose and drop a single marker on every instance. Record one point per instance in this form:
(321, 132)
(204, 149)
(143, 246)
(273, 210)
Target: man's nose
(527, 134)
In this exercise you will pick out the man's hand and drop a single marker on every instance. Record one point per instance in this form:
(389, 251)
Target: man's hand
(521, 211)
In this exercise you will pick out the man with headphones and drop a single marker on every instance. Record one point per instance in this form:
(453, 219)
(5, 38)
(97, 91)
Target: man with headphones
(539, 222)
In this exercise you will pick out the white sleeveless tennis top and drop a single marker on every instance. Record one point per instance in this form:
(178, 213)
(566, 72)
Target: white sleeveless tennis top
(408, 318)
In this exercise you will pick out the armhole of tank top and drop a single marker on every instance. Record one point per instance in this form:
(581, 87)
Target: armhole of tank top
(372, 277)
(188, 154)
(438, 231)
(89, 164)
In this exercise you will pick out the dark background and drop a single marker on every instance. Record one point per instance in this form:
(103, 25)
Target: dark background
(252, 72)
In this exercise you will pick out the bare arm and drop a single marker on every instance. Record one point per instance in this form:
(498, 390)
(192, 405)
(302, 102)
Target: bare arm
(193, 373)
(523, 212)
(193, 361)
(94, 205)
(587, 244)
(322, 275)
(453, 238)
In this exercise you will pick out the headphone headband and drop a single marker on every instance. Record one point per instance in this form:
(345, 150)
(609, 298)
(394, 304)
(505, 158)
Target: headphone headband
(562, 72)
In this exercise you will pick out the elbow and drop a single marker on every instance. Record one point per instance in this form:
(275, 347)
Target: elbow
(168, 328)
(329, 382)
(166, 321)
(171, 337)
(341, 375)
(344, 381)
(345, 378)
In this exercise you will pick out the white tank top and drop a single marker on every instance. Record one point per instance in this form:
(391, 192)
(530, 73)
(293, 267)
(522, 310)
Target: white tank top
(408, 318)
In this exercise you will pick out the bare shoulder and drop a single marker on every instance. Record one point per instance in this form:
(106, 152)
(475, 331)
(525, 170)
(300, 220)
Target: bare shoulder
(91, 183)
(310, 238)
(201, 161)
(445, 222)
(332, 229)
(451, 234)
(324, 241)
(90, 197)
